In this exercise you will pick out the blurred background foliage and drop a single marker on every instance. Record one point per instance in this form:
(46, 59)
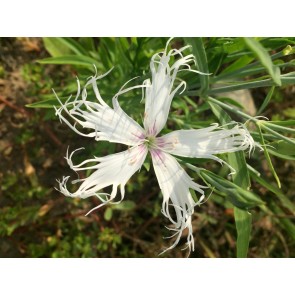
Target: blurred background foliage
(249, 77)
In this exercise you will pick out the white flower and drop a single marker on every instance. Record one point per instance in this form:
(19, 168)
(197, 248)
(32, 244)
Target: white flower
(114, 125)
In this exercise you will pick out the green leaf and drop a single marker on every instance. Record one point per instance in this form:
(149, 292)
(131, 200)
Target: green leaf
(124, 206)
(282, 156)
(255, 175)
(87, 43)
(283, 123)
(231, 101)
(73, 45)
(279, 127)
(237, 195)
(276, 134)
(55, 47)
(266, 101)
(263, 124)
(250, 69)
(265, 59)
(243, 219)
(237, 65)
(284, 148)
(77, 60)
(108, 214)
(270, 165)
(123, 47)
(201, 60)
(220, 114)
(235, 45)
(286, 79)
(46, 104)
(63, 46)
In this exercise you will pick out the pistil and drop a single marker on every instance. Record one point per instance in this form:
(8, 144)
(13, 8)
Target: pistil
(150, 142)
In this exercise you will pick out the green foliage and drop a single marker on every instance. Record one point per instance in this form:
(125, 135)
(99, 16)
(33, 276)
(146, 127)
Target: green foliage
(258, 190)
(237, 160)
(265, 59)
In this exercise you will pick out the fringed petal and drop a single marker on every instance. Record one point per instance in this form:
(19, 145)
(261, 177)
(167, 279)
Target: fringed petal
(175, 185)
(112, 170)
(110, 124)
(207, 142)
(159, 91)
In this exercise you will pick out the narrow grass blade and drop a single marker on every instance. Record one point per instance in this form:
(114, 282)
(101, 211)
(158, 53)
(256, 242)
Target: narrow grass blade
(237, 65)
(286, 79)
(277, 135)
(268, 159)
(255, 175)
(201, 59)
(243, 218)
(46, 104)
(281, 127)
(283, 123)
(252, 84)
(252, 68)
(265, 59)
(238, 196)
(77, 60)
(55, 47)
(266, 101)
(284, 148)
(74, 46)
(243, 221)
(282, 156)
